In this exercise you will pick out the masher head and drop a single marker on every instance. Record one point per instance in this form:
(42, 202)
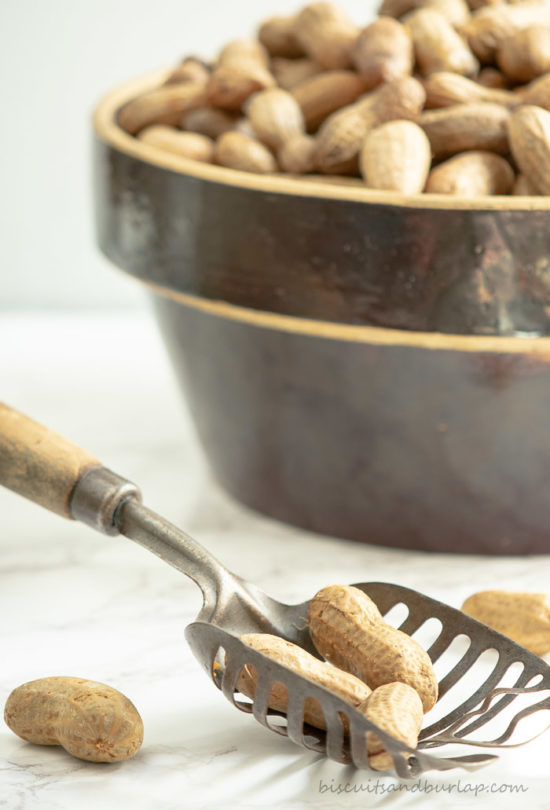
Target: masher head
(488, 685)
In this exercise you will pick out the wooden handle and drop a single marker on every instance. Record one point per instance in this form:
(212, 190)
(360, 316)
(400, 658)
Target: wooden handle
(39, 464)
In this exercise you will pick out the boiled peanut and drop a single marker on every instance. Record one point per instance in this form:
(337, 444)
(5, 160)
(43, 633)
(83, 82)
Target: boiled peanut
(209, 121)
(244, 50)
(455, 11)
(297, 155)
(321, 95)
(463, 127)
(397, 709)
(289, 73)
(444, 89)
(491, 25)
(437, 45)
(537, 92)
(166, 105)
(348, 630)
(233, 82)
(523, 617)
(326, 33)
(278, 37)
(275, 116)
(524, 188)
(525, 55)
(190, 70)
(396, 156)
(492, 77)
(186, 144)
(90, 720)
(383, 51)
(472, 174)
(346, 686)
(239, 151)
(529, 133)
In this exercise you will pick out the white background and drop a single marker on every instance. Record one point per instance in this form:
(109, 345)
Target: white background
(57, 58)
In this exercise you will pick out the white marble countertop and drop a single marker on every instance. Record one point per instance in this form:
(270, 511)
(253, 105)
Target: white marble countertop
(76, 603)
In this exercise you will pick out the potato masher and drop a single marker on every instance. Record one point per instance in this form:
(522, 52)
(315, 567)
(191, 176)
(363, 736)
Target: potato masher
(54, 473)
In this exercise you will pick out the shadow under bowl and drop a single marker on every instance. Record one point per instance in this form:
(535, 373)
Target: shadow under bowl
(370, 366)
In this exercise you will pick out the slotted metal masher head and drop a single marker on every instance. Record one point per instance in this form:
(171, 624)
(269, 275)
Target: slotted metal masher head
(51, 471)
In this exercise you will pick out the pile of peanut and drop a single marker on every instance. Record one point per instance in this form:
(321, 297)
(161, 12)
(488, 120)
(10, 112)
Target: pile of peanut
(382, 672)
(439, 96)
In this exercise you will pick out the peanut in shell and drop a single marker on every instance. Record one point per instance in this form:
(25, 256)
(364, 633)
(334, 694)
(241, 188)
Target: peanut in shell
(348, 630)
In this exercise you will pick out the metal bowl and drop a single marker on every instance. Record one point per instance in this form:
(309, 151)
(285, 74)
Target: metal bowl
(367, 365)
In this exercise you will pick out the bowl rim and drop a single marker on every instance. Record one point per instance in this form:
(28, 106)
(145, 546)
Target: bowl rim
(107, 129)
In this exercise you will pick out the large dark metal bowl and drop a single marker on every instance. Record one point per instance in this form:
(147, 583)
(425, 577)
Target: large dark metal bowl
(375, 367)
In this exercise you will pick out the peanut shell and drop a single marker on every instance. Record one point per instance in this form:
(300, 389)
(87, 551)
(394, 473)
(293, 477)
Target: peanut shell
(437, 46)
(480, 126)
(323, 94)
(239, 151)
(383, 51)
(327, 34)
(346, 686)
(91, 720)
(396, 156)
(472, 174)
(189, 145)
(529, 133)
(348, 630)
(275, 116)
(523, 617)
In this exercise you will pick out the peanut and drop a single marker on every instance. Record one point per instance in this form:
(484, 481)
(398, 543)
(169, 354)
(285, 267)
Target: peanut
(523, 617)
(348, 630)
(165, 105)
(472, 174)
(186, 144)
(397, 709)
(208, 121)
(524, 188)
(341, 137)
(537, 92)
(321, 95)
(437, 45)
(275, 116)
(242, 69)
(297, 155)
(278, 37)
(481, 126)
(90, 720)
(239, 151)
(525, 55)
(444, 89)
(234, 81)
(244, 50)
(529, 133)
(289, 73)
(346, 686)
(326, 33)
(490, 26)
(383, 51)
(396, 156)
(455, 11)
(190, 70)
(491, 77)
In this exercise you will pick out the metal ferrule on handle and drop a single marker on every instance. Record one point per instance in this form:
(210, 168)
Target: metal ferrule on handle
(97, 498)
